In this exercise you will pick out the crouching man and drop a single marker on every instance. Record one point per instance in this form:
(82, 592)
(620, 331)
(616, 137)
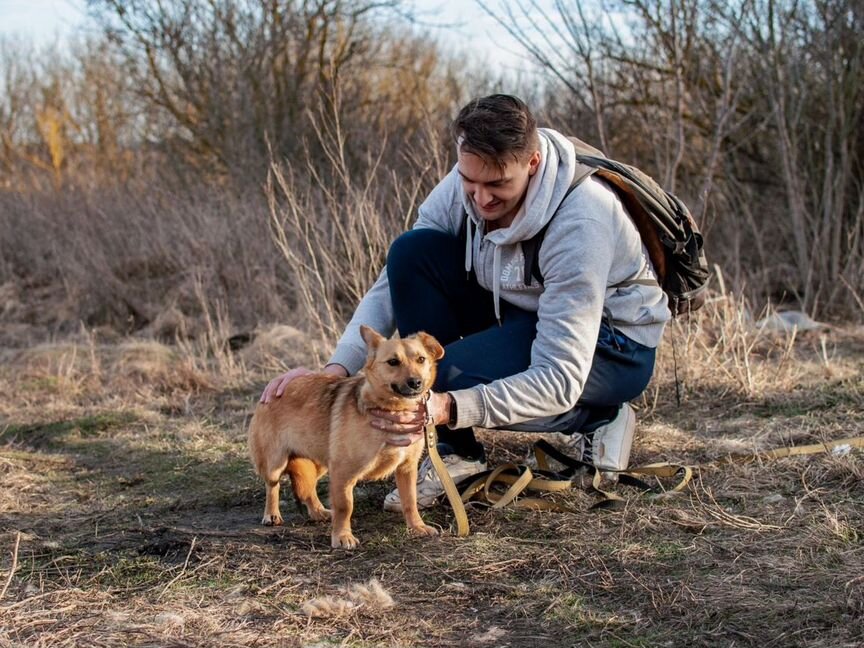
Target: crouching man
(562, 351)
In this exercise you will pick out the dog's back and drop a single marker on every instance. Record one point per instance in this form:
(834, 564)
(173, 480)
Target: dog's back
(296, 423)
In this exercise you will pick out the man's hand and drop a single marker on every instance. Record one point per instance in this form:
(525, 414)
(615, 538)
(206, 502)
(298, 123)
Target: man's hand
(404, 428)
(276, 387)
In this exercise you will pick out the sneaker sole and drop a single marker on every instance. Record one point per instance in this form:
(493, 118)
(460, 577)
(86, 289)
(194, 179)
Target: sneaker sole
(396, 507)
(393, 507)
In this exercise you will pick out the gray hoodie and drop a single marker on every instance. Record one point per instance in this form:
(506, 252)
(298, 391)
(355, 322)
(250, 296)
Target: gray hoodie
(590, 247)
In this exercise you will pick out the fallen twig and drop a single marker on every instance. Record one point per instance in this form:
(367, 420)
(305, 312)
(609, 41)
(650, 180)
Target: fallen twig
(14, 565)
(182, 571)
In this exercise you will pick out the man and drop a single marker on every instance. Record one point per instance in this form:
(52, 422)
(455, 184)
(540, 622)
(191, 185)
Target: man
(564, 354)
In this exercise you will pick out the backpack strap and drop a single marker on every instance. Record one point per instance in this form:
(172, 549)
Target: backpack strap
(591, 161)
(531, 247)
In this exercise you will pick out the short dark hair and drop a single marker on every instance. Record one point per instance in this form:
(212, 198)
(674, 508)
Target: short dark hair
(495, 128)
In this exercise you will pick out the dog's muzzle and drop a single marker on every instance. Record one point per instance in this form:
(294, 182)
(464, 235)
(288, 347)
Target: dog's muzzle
(412, 387)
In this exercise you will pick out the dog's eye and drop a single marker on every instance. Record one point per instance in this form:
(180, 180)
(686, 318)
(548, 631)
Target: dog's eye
(394, 362)
(421, 359)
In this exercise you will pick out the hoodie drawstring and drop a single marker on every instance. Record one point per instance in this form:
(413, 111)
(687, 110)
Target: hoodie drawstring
(470, 233)
(496, 282)
(469, 242)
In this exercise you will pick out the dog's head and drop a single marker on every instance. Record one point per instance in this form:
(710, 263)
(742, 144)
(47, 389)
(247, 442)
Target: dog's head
(402, 367)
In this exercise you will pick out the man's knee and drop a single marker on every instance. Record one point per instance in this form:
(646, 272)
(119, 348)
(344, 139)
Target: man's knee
(414, 247)
(451, 377)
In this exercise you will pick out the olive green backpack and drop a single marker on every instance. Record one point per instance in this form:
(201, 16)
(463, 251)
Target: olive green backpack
(667, 228)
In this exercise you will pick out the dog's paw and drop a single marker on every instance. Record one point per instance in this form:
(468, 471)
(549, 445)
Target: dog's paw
(345, 540)
(319, 515)
(272, 520)
(423, 530)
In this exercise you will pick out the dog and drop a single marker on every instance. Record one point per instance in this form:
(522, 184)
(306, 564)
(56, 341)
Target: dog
(321, 424)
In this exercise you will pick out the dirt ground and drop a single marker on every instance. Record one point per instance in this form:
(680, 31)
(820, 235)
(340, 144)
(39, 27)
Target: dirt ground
(129, 515)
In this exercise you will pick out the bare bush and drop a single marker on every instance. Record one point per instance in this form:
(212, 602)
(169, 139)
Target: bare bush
(334, 227)
(232, 78)
(125, 256)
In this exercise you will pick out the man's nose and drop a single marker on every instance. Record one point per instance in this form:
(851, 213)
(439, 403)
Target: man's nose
(481, 196)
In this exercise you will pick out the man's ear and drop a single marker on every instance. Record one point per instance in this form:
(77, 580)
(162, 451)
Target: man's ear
(431, 345)
(533, 163)
(371, 337)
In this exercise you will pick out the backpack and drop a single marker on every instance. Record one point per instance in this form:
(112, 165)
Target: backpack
(666, 226)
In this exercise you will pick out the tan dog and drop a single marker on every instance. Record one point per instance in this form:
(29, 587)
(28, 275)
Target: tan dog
(321, 423)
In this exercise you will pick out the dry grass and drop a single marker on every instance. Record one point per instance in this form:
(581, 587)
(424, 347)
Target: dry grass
(138, 258)
(127, 489)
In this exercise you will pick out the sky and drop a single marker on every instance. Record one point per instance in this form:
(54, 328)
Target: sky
(42, 20)
(455, 23)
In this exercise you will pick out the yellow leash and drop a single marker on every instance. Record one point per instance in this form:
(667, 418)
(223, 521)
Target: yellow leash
(794, 451)
(518, 479)
(462, 528)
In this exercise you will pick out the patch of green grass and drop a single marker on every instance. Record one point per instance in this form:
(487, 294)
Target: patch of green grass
(340, 640)
(49, 433)
(133, 573)
(223, 582)
(669, 550)
(50, 562)
(805, 401)
(191, 473)
(635, 642)
(572, 610)
(647, 551)
(49, 384)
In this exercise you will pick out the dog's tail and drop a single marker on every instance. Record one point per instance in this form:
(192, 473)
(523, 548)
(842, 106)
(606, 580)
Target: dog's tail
(297, 501)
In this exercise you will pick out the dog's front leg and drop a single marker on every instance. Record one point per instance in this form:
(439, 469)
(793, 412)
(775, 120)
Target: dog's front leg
(406, 482)
(341, 506)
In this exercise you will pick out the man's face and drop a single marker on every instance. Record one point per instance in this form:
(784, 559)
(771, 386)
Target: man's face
(496, 193)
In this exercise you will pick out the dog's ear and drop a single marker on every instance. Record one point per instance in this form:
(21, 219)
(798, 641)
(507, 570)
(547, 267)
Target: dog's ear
(431, 344)
(396, 335)
(371, 337)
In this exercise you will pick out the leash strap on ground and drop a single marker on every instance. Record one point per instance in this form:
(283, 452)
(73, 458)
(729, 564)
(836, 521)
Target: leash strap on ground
(462, 528)
(506, 484)
(796, 451)
(509, 483)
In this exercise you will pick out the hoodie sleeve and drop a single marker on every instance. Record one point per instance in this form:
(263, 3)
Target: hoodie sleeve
(441, 210)
(576, 258)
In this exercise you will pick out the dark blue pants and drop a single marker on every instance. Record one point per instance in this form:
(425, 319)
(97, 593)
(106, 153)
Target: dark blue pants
(432, 292)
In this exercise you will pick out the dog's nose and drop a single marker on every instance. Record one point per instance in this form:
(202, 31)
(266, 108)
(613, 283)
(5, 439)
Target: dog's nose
(414, 383)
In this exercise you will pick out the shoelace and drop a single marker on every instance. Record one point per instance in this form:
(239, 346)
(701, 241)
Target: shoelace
(587, 446)
(425, 468)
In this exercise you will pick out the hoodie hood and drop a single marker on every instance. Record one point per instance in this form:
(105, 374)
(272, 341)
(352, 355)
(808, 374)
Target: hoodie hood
(546, 190)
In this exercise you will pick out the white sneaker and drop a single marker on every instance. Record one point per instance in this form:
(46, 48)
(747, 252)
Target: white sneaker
(429, 487)
(609, 445)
